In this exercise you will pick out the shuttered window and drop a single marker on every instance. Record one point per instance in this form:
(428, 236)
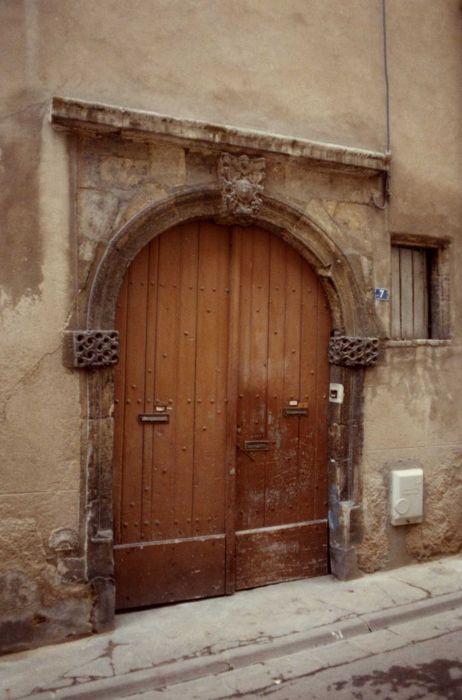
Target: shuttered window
(410, 308)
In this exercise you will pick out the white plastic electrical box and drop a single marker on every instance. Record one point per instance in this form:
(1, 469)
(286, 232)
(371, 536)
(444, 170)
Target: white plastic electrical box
(406, 496)
(336, 392)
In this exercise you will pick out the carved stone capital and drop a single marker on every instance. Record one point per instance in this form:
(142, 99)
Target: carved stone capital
(241, 179)
(63, 541)
(92, 348)
(350, 351)
(64, 546)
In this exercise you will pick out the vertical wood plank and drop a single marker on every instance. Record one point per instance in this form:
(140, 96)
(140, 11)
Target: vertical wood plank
(323, 328)
(134, 397)
(243, 461)
(311, 354)
(119, 408)
(420, 293)
(166, 386)
(395, 293)
(259, 333)
(185, 371)
(292, 366)
(250, 475)
(275, 470)
(211, 379)
(149, 402)
(231, 414)
(257, 389)
(407, 289)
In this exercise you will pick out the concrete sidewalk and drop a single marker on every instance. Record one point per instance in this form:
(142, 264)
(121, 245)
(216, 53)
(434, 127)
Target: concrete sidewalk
(163, 646)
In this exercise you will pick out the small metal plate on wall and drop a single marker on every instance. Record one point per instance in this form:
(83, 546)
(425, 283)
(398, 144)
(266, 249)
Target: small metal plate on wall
(294, 411)
(382, 294)
(154, 418)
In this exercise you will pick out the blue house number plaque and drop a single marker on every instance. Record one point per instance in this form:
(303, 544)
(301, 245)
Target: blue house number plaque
(382, 293)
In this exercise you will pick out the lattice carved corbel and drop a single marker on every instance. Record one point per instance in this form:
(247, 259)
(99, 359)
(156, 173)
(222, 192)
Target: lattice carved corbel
(350, 351)
(87, 349)
(241, 180)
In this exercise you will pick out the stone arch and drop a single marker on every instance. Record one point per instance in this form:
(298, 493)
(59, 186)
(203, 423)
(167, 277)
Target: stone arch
(350, 315)
(307, 235)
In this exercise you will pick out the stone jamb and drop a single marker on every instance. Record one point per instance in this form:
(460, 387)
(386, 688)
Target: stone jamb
(349, 317)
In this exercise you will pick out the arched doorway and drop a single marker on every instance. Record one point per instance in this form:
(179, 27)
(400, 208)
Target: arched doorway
(346, 291)
(220, 458)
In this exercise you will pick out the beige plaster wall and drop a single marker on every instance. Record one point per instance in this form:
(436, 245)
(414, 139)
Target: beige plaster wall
(413, 414)
(313, 70)
(425, 69)
(39, 400)
(306, 68)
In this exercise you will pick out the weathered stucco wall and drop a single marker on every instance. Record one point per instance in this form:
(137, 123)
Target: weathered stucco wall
(311, 69)
(250, 63)
(39, 400)
(413, 415)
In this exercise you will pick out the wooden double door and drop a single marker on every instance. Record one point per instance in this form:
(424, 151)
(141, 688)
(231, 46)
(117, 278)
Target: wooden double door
(220, 417)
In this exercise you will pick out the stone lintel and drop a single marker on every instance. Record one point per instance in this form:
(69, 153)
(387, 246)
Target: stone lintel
(100, 119)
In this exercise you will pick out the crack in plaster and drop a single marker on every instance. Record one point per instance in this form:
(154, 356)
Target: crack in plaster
(23, 379)
(32, 371)
(32, 105)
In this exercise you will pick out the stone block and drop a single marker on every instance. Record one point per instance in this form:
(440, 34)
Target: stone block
(103, 611)
(343, 563)
(123, 173)
(18, 592)
(167, 165)
(96, 212)
(441, 530)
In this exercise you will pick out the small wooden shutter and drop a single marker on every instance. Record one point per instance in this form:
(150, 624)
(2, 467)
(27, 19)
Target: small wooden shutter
(409, 286)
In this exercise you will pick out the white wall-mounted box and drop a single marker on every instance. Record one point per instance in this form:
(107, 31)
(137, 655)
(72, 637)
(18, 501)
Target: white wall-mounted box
(406, 496)
(336, 393)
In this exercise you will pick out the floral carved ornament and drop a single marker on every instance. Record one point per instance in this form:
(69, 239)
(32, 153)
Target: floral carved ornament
(241, 179)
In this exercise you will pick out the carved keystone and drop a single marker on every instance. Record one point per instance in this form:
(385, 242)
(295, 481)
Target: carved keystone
(89, 348)
(241, 180)
(349, 351)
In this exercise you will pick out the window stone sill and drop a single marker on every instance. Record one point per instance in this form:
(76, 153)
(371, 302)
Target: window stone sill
(418, 342)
